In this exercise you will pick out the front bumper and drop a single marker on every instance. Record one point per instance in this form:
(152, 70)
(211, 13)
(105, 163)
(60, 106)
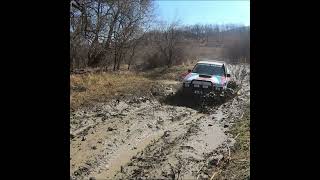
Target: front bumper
(202, 89)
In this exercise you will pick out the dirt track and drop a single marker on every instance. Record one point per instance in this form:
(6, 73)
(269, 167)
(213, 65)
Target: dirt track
(147, 138)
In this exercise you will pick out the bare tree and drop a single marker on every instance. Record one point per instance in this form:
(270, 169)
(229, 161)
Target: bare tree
(133, 47)
(168, 43)
(107, 26)
(127, 28)
(108, 33)
(196, 30)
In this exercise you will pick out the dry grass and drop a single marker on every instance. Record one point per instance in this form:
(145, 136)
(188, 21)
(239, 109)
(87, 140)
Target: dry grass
(86, 89)
(164, 73)
(239, 166)
(99, 87)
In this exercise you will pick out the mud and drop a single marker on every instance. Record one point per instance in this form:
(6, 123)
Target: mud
(163, 136)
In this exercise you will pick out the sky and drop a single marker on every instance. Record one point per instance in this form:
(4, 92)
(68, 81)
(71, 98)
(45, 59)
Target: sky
(204, 12)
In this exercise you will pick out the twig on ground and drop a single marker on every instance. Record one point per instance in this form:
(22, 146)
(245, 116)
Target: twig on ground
(199, 171)
(236, 136)
(242, 115)
(200, 168)
(229, 155)
(215, 173)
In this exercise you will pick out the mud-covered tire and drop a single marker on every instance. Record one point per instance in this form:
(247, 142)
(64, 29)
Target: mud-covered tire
(229, 91)
(232, 85)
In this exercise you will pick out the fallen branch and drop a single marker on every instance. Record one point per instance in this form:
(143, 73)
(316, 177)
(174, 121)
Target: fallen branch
(215, 173)
(241, 160)
(236, 136)
(242, 115)
(199, 171)
(229, 152)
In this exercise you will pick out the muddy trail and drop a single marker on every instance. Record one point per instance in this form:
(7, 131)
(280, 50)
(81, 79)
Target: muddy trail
(163, 136)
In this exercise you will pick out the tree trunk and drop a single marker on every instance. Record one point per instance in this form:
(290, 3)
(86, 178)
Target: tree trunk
(115, 59)
(118, 65)
(131, 57)
(115, 63)
(119, 60)
(170, 57)
(115, 18)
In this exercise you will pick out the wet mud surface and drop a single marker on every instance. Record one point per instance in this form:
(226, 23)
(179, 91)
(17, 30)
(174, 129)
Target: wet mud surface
(162, 136)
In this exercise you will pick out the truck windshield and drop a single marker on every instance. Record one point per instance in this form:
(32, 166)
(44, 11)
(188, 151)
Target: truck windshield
(208, 69)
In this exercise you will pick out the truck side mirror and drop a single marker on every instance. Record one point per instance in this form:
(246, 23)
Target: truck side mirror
(228, 75)
(189, 70)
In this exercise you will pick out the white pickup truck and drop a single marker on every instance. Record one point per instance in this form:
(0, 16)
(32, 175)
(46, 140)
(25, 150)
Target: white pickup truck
(207, 76)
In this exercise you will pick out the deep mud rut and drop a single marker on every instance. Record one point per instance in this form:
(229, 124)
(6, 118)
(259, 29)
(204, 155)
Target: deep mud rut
(148, 138)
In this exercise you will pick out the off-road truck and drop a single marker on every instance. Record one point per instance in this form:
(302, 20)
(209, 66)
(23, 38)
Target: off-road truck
(207, 77)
